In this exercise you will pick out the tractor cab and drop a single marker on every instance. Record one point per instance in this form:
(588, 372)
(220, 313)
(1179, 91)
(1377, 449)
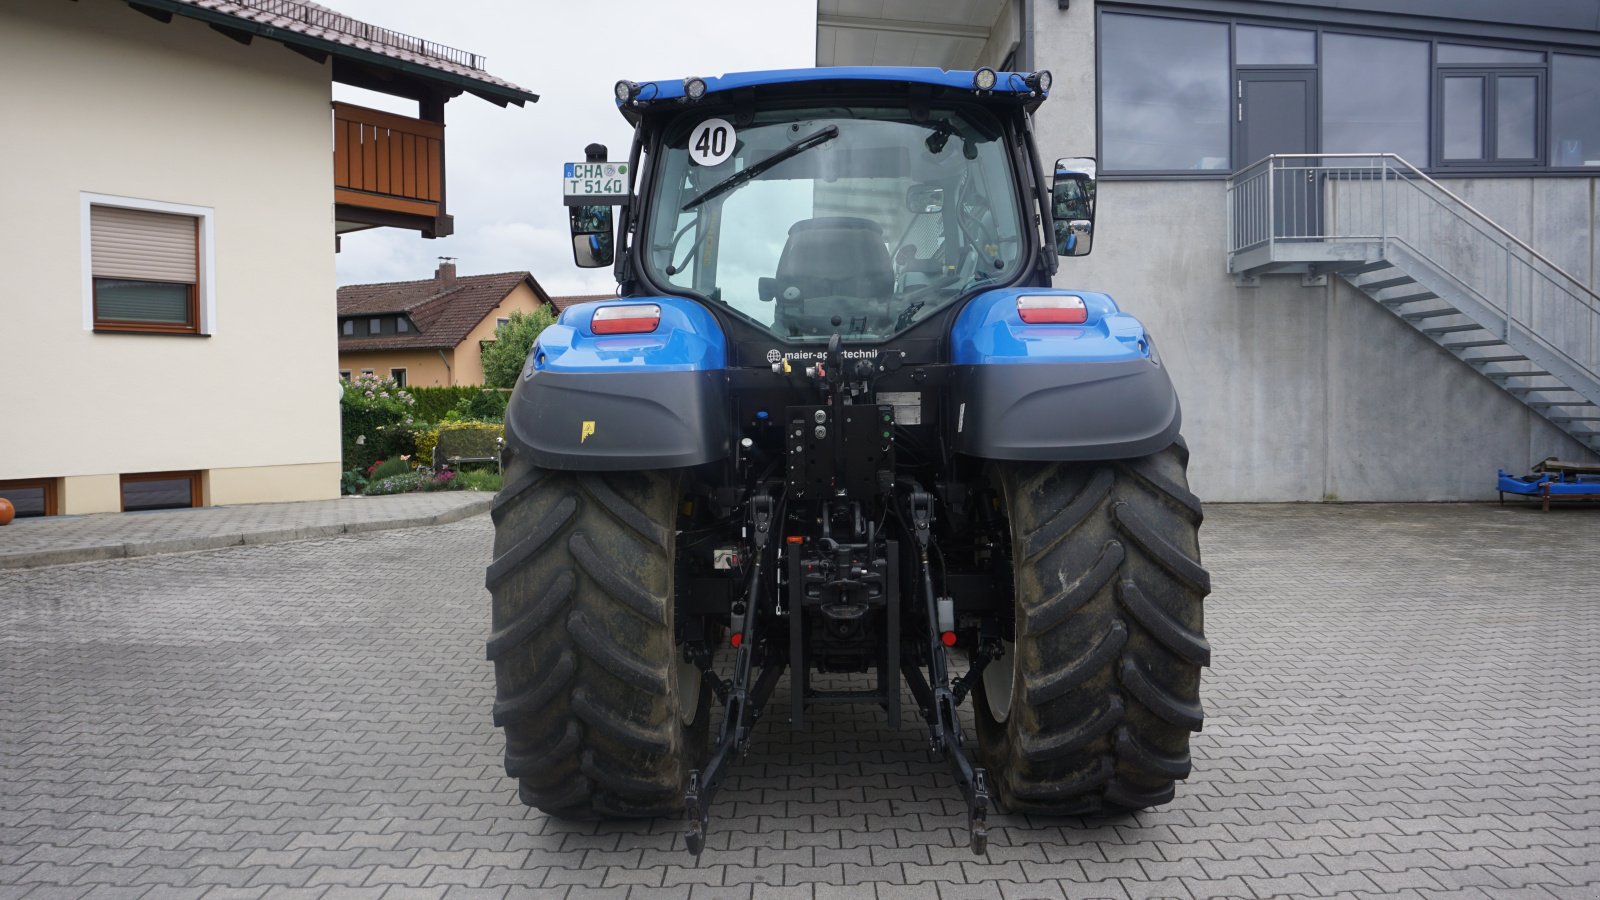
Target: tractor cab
(806, 204)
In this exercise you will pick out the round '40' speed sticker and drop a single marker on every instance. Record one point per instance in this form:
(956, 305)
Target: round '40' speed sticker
(711, 142)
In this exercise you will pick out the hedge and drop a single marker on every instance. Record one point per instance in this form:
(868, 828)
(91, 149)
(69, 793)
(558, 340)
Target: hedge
(434, 402)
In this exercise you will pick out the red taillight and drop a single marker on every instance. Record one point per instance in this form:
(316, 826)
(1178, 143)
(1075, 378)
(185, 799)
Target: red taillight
(640, 319)
(1056, 310)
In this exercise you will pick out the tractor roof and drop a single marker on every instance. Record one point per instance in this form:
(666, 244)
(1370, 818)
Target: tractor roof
(1009, 85)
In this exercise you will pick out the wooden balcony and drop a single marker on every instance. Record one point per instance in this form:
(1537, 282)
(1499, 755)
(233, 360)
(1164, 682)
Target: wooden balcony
(388, 170)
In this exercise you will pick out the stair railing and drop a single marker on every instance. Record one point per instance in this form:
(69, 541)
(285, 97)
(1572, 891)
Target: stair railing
(1380, 198)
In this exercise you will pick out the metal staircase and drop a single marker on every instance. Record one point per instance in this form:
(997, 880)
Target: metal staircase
(1435, 262)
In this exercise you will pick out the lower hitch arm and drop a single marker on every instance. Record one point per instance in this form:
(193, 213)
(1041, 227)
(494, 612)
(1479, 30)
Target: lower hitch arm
(938, 699)
(742, 701)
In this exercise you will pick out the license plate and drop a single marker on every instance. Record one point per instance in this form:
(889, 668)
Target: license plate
(587, 183)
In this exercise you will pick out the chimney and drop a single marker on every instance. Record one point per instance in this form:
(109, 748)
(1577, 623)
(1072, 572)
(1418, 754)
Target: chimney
(446, 273)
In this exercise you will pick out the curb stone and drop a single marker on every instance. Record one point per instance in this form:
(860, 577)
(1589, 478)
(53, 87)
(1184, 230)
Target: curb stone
(28, 559)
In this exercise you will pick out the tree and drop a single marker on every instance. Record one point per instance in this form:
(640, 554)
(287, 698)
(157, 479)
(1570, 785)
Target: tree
(503, 359)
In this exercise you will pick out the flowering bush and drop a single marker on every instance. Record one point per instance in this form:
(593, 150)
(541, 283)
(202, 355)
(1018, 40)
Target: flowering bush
(397, 484)
(375, 415)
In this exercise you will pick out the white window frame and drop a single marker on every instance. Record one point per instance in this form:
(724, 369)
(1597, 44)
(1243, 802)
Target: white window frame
(206, 251)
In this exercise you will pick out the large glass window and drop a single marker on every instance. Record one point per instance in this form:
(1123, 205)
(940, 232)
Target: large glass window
(1164, 98)
(1482, 56)
(1173, 92)
(848, 220)
(1375, 96)
(1258, 46)
(1575, 110)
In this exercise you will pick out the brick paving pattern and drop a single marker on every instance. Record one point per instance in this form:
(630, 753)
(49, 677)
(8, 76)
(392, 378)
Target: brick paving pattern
(1405, 702)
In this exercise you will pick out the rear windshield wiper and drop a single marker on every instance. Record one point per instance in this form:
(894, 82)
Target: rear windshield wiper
(744, 176)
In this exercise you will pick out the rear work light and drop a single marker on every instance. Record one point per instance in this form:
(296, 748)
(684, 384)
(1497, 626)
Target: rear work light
(641, 319)
(1059, 310)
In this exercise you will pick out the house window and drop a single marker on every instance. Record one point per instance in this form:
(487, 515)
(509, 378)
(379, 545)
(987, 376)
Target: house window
(1375, 96)
(344, 374)
(1488, 116)
(31, 497)
(366, 372)
(348, 328)
(401, 326)
(399, 376)
(144, 270)
(160, 490)
(1164, 99)
(374, 326)
(501, 323)
(1574, 110)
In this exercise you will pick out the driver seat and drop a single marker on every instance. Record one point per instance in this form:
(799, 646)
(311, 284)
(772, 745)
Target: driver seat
(833, 256)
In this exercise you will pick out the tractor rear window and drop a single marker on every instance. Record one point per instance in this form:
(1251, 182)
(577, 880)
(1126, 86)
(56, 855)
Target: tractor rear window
(853, 221)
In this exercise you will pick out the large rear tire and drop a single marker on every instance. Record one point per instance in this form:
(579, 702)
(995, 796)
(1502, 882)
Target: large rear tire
(1091, 709)
(602, 716)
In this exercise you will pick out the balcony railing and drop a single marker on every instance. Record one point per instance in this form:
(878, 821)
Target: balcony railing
(387, 168)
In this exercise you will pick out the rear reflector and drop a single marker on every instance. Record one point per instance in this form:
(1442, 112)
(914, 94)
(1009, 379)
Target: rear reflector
(1057, 310)
(640, 319)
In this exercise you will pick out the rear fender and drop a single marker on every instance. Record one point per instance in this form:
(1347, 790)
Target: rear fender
(1057, 392)
(589, 402)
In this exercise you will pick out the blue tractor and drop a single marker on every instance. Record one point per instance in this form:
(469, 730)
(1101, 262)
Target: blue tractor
(837, 420)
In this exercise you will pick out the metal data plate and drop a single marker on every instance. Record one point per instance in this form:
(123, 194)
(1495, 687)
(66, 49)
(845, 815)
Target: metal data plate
(594, 183)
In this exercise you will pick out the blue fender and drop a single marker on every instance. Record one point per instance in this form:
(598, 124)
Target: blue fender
(1095, 390)
(607, 402)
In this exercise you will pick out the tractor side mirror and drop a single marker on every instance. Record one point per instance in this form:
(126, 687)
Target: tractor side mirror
(1072, 205)
(592, 245)
(924, 198)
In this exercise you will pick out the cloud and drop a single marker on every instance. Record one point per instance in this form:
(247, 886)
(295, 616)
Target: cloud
(503, 165)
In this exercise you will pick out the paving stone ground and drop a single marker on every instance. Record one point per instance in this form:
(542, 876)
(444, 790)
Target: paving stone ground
(1404, 702)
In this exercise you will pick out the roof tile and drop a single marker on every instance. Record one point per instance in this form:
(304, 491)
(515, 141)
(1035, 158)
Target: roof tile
(443, 313)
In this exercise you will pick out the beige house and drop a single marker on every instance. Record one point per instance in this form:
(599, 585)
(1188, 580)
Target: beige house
(175, 179)
(430, 333)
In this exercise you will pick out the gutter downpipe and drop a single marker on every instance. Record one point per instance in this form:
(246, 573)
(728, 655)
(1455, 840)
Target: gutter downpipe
(450, 374)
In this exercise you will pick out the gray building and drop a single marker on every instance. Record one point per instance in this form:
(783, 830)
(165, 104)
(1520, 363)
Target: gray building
(1393, 317)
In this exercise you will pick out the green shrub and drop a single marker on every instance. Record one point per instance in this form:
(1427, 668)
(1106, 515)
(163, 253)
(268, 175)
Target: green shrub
(437, 404)
(392, 466)
(352, 481)
(480, 439)
(503, 359)
(368, 406)
(434, 402)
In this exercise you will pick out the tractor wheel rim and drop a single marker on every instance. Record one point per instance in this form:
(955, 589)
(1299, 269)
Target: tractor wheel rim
(688, 691)
(999, 682)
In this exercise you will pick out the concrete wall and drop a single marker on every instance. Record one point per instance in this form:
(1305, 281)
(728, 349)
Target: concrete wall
(102, 99)
(1291, 392)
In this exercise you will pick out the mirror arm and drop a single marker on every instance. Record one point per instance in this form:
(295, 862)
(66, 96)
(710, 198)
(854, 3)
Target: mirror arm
(1042, 194)
(621, 244)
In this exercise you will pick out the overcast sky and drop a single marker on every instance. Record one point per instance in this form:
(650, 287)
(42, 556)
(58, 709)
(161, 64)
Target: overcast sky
(504, 164)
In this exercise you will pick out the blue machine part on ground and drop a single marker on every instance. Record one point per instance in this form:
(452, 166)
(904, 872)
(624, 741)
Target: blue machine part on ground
(1541, 484)
(672, 89)
(991, 331)
(687, 340)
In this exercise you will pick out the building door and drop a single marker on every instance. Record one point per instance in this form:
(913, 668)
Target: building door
(1277, 113)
